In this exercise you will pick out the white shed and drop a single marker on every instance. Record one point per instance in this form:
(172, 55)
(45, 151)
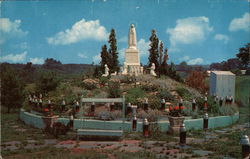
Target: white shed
(222, 84)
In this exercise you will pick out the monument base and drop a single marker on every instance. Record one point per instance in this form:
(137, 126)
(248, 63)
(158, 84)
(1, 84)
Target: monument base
(133, 69)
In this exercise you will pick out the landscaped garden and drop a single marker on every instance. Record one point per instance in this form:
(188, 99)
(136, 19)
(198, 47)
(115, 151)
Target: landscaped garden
(37, 143)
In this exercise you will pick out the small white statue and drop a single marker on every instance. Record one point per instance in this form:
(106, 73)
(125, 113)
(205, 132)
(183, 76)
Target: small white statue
(141, 70)
(114, 74)
(152, 70)
(106, 71)
(125, 69)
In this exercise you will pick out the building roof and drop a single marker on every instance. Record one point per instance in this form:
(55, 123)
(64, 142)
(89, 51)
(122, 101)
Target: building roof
(223, 73)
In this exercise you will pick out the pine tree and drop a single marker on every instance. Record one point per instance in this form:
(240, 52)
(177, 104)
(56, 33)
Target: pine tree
(105, 58)
(164, 65)
(165, 59)
(153, 50)
(12, 88)
(114, 63)
(161, 52)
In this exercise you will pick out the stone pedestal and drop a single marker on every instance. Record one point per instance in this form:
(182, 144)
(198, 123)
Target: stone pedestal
(175, 124)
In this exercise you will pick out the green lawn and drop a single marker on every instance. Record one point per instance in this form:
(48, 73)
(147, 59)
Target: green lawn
(242, 93)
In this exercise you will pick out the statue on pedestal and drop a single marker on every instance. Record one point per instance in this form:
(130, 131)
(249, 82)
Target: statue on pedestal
(106, 71)
(152, 70)
(132, 58)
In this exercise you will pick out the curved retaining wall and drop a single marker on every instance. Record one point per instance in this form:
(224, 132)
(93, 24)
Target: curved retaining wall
(197, 124)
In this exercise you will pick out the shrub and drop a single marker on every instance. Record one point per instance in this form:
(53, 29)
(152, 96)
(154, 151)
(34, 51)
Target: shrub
(128, 79)
(114, 89)
(228, 110)
(100, 94)
(103, 80)
(106, 115)
(183, 92)
(197, 80)
(189, 112)
(149, 87)
(212, 106)
(164, 94)
(116, 114)
(133, 95)
(154, 102)
(48, 81)
(90, 84)
(151, 115)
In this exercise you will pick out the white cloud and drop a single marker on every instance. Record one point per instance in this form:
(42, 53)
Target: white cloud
(191, 61)
(242, 23)
(173, 49)
(143, 47)
(9, 29)
(195, 61)
(221, 37)
(14, 58)
(189, 30)
(184, 58)
(22, 46)
(81, 55)
(81, 30)
(96, 59)
(37, 60)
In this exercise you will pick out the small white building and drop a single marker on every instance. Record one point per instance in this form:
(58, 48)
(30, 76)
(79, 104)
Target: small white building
(222, 84)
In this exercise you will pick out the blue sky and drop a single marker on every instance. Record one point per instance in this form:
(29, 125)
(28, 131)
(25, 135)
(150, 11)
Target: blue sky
(195, 31)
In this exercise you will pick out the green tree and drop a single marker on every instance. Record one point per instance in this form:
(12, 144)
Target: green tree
(164, 66)
(28, 73)
(161, 52)
(51, 63)
(114, 63)
(104, 58)
(165, 59)
(12, 91)
(183, 66)
(48, 81)
(173, 73)
(244, 55)
(153, 50)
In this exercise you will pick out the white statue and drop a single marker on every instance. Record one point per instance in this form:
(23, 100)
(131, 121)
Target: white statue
(152, 70)
(106, 71)
(132, 37)
(125, 69)
(141, 70)
(114, 74)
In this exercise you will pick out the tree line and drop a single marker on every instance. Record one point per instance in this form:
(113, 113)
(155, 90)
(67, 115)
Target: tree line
(241, 62)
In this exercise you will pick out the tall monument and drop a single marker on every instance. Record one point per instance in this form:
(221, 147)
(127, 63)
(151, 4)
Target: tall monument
(132, 64)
